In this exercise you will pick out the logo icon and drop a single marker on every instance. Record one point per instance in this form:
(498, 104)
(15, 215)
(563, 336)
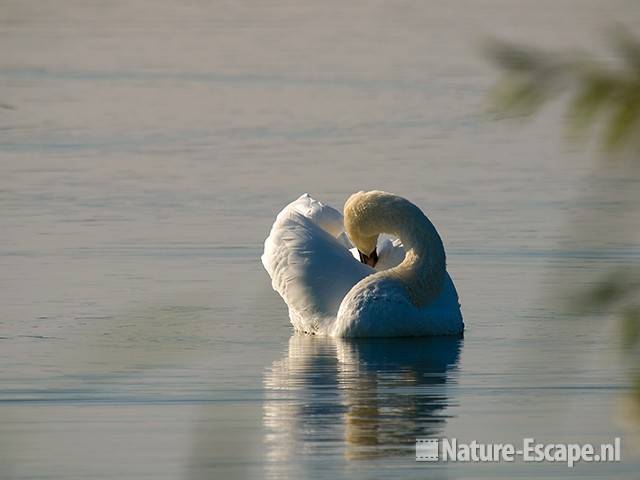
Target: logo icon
(426, 450)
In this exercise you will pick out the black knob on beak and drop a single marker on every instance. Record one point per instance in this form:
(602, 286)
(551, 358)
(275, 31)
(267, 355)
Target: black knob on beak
(370, 259)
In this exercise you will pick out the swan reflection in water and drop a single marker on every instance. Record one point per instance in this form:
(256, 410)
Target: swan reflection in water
(356, 398)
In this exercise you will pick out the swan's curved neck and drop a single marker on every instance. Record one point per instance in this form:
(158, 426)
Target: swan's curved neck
(423, 269)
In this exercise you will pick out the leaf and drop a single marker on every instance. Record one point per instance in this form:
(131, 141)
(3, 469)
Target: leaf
(628, 46)
(617, 285)
(532, 78)
(631, 327)
(518, 96)
(589, 101)
(515, 58)
(624, 119)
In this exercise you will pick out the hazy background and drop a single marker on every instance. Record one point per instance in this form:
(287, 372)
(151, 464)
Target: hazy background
(145, 149)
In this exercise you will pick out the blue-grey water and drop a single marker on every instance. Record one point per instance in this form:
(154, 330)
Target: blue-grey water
(145, 148)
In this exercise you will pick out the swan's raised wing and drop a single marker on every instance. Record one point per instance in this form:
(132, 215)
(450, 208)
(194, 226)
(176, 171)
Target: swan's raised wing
(307, 257)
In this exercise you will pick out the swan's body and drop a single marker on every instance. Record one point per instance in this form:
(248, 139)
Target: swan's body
(329, 292)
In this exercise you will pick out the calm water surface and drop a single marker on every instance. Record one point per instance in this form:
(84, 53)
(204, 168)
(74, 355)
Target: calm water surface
(145, 149)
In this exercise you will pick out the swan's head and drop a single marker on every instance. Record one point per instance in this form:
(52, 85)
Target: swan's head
(361, 218)
(423, 270)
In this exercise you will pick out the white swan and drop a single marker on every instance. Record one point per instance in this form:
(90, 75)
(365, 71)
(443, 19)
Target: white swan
(329, 292)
